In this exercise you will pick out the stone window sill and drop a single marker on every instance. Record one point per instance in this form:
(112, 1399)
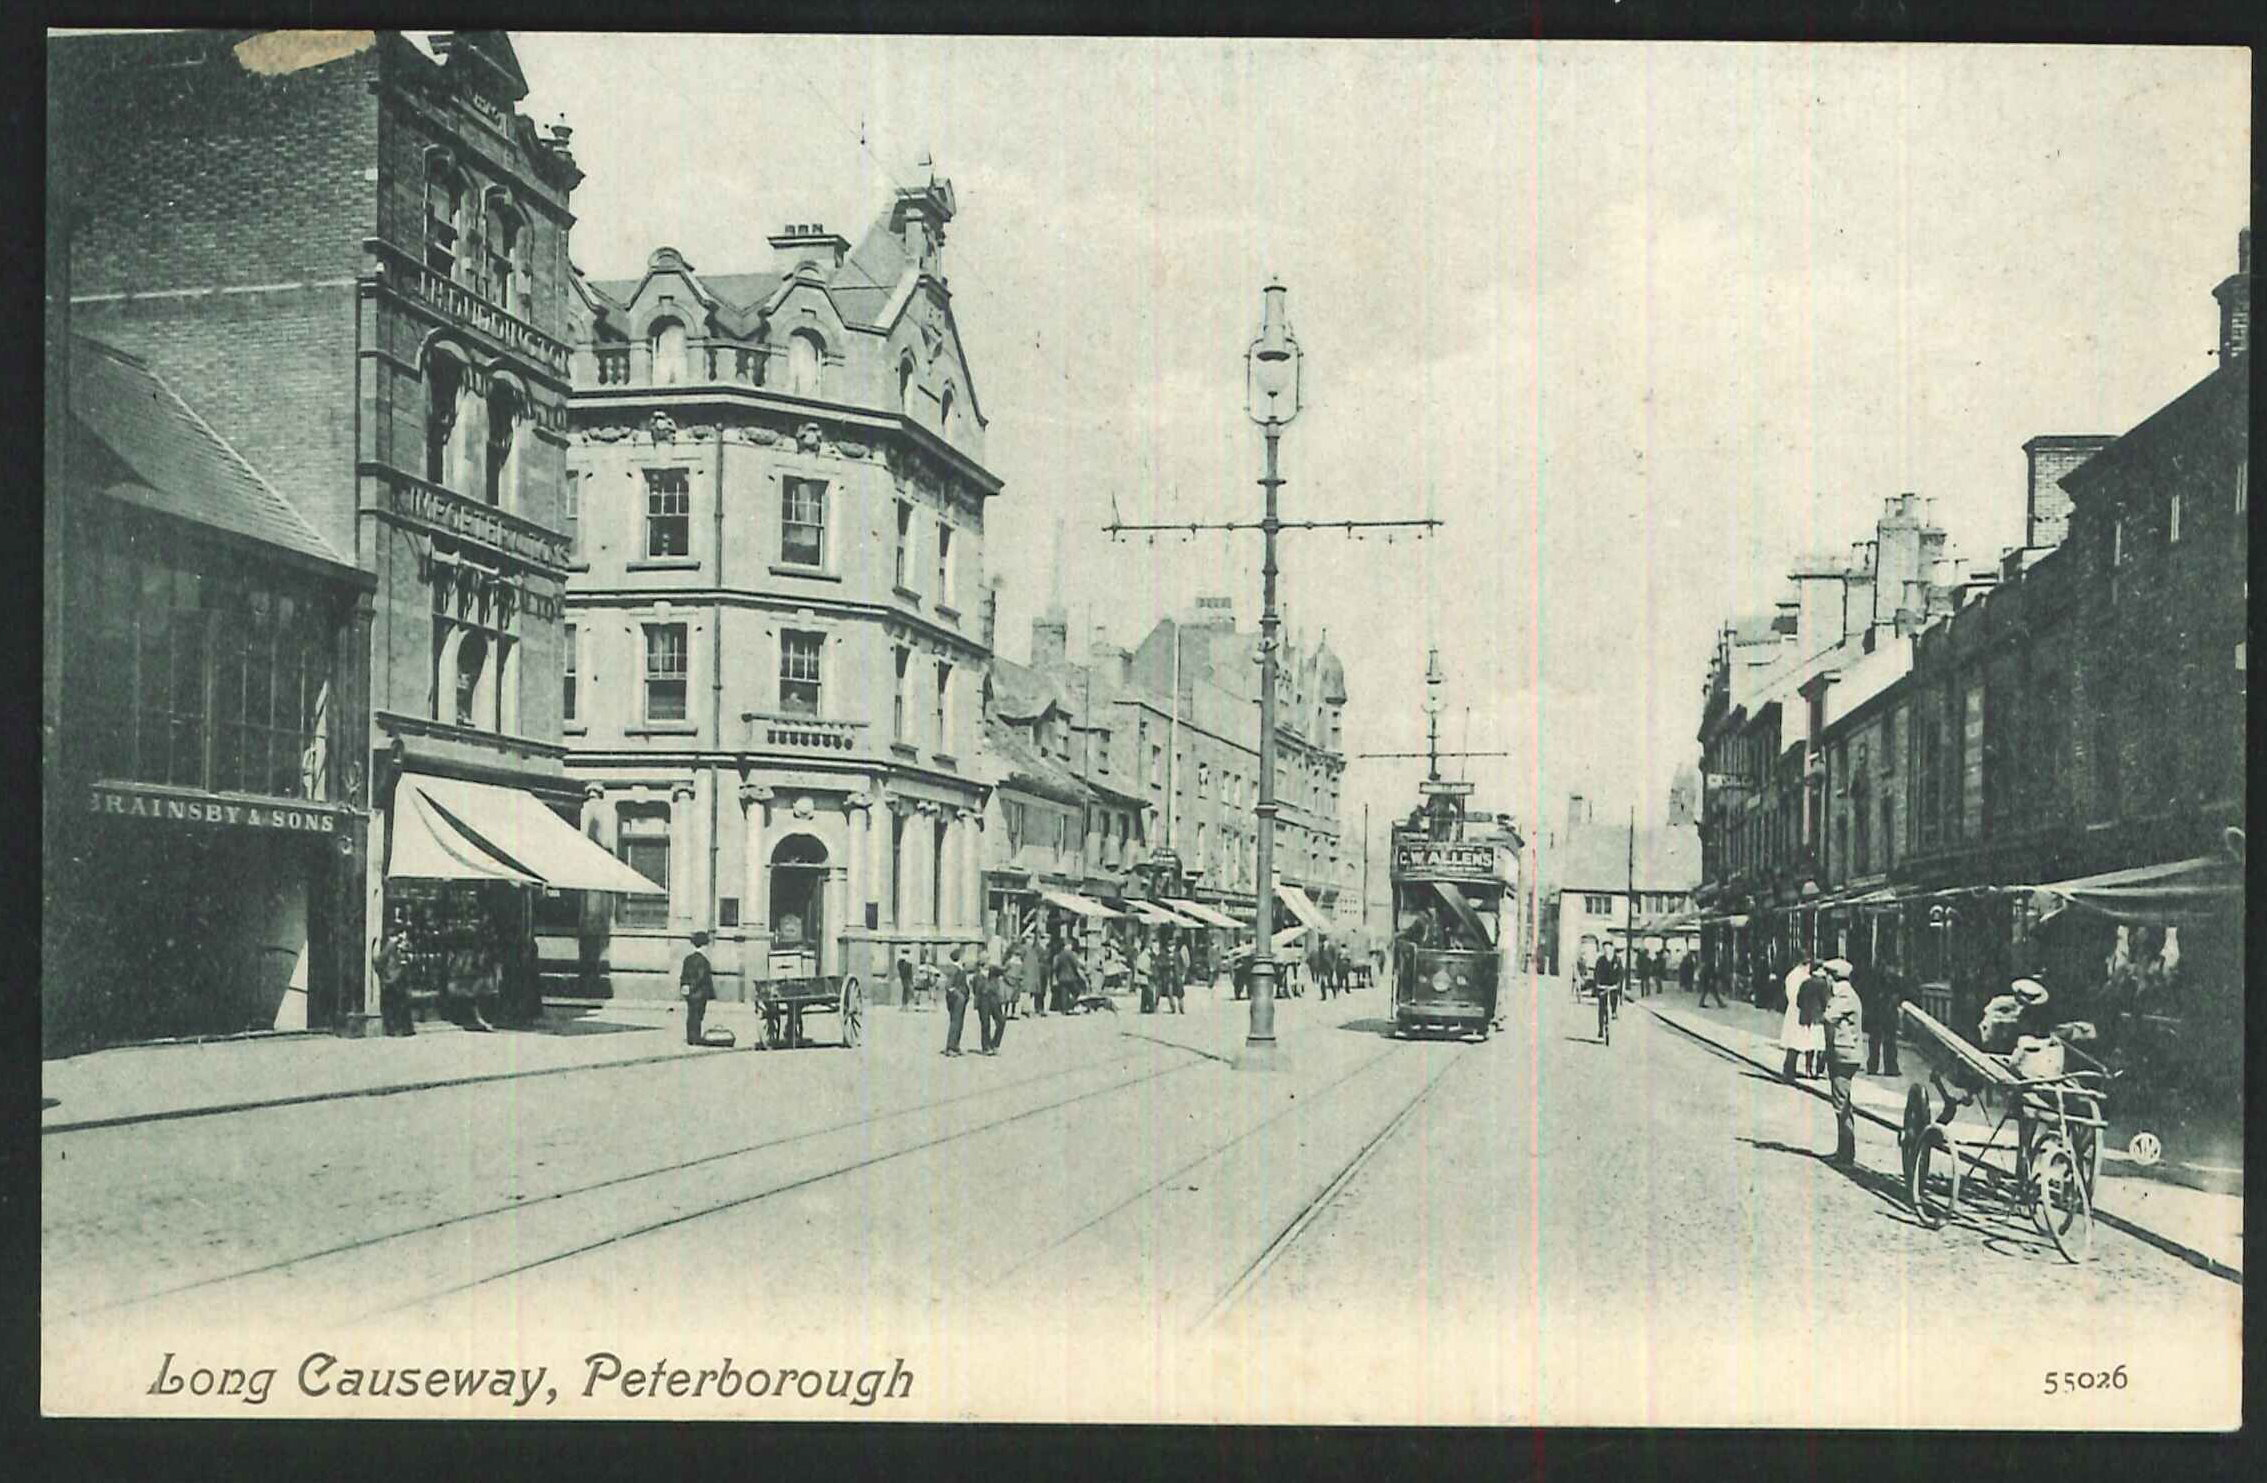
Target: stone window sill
(908, 594)
(950, 615)
(807, 573)
(664, 564)
(945, 759)
(663, 728)
(904, 749)
(574, 728)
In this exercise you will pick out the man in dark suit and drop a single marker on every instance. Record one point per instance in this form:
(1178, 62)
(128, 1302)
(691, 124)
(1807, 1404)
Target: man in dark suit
(697, 981)
(956, 1001)
(991, 1012)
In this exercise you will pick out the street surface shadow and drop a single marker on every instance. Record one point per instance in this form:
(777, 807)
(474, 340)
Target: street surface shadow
(1367, 1026)
(2002, 1228)
(585, 1023)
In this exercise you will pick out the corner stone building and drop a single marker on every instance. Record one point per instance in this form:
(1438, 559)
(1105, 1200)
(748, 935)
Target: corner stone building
(774, 694)
(348, 252)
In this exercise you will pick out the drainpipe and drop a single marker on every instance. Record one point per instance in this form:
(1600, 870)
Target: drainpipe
(716, 691)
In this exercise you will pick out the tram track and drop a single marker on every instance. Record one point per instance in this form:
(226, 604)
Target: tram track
(519, 1209)
(1255, 1271)
(644, 1229)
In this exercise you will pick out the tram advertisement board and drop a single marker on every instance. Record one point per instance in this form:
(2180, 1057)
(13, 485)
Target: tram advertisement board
(1443, 857)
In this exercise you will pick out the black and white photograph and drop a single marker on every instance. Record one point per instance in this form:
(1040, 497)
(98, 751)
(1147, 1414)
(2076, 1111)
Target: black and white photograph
(884, 728)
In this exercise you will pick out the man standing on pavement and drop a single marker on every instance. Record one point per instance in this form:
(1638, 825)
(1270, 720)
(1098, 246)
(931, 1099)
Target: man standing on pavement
(1145, 977)
(1845, 1037)
(1175, 971)
(956, 1001)
(1705, 980)
(1066, 976)
(697, 982)
(1883, 994)
(991, 1015)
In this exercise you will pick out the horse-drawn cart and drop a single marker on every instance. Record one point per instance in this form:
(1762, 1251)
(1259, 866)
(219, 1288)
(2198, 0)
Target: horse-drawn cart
(2057, 1123)
(783, 1002)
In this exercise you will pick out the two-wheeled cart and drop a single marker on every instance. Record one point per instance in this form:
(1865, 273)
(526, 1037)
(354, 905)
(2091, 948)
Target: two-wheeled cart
(783, 1003)
(2052, 1125)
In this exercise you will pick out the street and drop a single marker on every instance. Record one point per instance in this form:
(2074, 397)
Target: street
(1108, 1222)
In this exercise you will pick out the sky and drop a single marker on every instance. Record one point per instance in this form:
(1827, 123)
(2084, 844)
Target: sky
(1640, 323)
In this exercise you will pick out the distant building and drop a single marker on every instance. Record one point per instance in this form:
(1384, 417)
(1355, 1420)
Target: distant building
(1606, 880)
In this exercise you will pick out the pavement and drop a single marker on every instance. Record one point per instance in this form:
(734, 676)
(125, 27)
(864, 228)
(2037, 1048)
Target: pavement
(2202, 1225)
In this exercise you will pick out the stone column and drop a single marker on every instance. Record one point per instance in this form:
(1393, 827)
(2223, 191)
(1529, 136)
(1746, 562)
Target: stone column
(968, 891)
(857, 811)
(681, 858)
(755, 864)
(925, 864)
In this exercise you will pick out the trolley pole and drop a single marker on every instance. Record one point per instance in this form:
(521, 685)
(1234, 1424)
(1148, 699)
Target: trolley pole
(1259, 1043)
(1272, 398)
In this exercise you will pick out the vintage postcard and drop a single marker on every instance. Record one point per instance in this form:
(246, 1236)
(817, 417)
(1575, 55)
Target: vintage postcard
(1560, 727)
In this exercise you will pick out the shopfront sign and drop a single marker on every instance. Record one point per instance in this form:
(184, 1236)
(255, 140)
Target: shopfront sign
(1460, 859)
(134, 801)
(452, 514)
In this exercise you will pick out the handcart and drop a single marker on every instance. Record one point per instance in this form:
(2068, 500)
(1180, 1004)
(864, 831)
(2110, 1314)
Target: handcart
(2056, 1122)
(783, 1002)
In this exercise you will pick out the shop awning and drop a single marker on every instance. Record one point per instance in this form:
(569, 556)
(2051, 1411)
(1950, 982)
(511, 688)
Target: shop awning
(1306, 911)
(1071, 901)
(448, 829)
(1287, 936)
(1145, 911)
(2169, 894)
(1202, 913)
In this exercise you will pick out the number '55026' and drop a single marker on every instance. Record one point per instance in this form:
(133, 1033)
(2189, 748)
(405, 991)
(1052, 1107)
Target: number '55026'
(2063, 1382)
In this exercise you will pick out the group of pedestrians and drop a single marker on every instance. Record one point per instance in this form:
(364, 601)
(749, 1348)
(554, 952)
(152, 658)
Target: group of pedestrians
(468, 981)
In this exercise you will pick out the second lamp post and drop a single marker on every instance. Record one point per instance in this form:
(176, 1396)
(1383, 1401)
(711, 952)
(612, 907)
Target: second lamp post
(1272, 400)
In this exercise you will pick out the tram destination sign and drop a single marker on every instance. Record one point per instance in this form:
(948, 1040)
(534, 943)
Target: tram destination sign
(1425, 856)
(128, 801)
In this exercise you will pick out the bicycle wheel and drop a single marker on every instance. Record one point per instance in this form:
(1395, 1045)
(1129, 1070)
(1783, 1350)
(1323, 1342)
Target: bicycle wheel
(1932, 1177)
(1605, 1022)
(2060, 1204)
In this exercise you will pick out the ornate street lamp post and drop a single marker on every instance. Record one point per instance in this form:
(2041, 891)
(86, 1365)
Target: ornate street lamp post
(1271, 400)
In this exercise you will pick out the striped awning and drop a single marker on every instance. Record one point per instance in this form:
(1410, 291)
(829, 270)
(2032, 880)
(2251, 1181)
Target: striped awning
(1309, 914)
(1202, 913)
(1071, 901)
(1148, 911)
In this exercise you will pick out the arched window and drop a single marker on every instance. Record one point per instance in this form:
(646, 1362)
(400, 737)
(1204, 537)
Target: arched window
(905, 385)
(945, 417)
(668, 352)
(444, 213)
(504, 411)
(805, 356)
(505, 271)
(472, 664)
(444, 389)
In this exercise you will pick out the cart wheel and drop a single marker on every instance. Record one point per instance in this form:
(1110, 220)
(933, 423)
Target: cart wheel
(853, 1012)
(1918, 1116)
(2086, 1145)
(2060, 1203)
(1932, 1177)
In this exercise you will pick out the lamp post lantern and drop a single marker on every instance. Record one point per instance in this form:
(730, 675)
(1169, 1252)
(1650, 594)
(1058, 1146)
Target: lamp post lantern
(1271, 400)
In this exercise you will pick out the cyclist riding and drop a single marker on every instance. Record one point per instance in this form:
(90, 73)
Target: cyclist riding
(1609, 972)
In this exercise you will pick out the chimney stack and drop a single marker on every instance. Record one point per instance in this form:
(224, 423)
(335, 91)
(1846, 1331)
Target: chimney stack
(1050, 639)
(2234, 294)
(807, 242)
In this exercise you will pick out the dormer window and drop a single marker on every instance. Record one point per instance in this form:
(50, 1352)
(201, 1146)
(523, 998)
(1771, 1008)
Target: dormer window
(805, 357)
(668, 345)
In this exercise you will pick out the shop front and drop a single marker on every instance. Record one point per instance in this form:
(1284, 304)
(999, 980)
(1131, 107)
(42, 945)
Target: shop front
(468, 868)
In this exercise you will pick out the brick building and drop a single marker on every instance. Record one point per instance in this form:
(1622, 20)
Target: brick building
(777, 514)
(348, 251)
